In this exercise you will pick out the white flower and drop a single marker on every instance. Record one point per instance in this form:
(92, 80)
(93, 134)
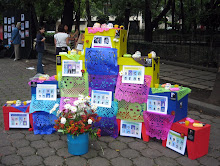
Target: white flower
(66, 100)
(94, 107)
(67, 106)
(115, 40)
(76, 102)
(73, 109)
(81, 97)
(87, 98)
(63, 120)
(89, 121)
(81, 113)
(121, 73)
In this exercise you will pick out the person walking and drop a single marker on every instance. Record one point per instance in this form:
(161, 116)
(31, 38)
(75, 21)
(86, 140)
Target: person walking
(16, 40)
(40, 49)
(61, 40)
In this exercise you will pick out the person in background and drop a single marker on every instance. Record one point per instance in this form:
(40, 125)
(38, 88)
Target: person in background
(16, 40)
(61, 40)
(40, 49)
(72, 37)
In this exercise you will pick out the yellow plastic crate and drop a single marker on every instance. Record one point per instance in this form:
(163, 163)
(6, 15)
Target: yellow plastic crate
(63, 57)
(153, 71)
(121, 45)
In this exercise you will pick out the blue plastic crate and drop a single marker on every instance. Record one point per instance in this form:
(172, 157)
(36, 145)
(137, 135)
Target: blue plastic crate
(179, 106)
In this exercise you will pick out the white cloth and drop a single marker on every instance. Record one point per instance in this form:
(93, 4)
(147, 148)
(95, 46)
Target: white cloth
(61, 39)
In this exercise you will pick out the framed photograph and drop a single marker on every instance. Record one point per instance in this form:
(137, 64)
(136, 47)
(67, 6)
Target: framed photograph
(22, 26)
(26, 24)
(9, 28)
(9, 35)
(18, 120)
(176, 142)
(12, 20)
(22, 17)
(72, 68)
(130, 129)
(101, 42)
(133, 74)
(22, 43)
(5, 20)
(9, 20)
(26, 33)
(46, 92)
(158, 104)
(58, 60)
(22, 34)
(5, 35)
(12, 26)
(102, 98)
(5, 28)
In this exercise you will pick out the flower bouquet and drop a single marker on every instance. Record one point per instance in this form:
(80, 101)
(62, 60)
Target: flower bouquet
(77, 121)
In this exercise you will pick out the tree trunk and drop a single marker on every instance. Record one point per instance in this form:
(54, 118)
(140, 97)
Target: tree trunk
(67, 17)
(148, 27)
(165, 18)
(89, 24)
(78, 16)
(127, 14)
(173, 14)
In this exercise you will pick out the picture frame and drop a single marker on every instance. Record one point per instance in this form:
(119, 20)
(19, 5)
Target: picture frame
(18, 120)
(157, 104)
(5, 35)
(72, 68)
(22, 26)
(101, 98)
(12, 20)
(130, 129)
(26, 24)
(5, 20)
(26, 33)
(46, 92)
(176, 142)
(101, 42)
(9, 28)
(133, 74)
(22, 34)
(22, 17)
(9, 20)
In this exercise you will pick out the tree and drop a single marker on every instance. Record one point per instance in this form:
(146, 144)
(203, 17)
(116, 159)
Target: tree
(149, 25)
(78, 15)
(67, 16)
(89, 19)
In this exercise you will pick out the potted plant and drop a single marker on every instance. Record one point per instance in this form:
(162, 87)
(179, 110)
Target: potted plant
(77, 122)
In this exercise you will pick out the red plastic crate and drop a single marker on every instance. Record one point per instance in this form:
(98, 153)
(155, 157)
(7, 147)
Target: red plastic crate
(6, 111)
(199, 147)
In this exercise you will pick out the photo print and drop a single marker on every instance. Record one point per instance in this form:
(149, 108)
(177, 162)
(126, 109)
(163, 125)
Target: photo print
(158, 104)
(133, 74)
(18, 120)
(46, 92)
(102, 98)
(176, 142)
(130, 129)
(72, 68)
(101, 42)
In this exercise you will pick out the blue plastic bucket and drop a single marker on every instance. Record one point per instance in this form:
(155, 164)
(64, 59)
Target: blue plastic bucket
(78, 145)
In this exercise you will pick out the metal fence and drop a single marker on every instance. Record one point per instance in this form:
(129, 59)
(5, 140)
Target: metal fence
(202, 50)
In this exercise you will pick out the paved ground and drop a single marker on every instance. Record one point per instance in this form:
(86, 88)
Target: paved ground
(22, 147)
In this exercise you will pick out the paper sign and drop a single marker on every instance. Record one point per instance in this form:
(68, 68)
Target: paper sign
(9, 35)
(101, 42)
(22, 17)
(176, 142)
(9, 28)
(9, 20)
(5, 35)
(18, 120)
(5, 20)
(102, 98)
(131, 129)
(26, 33)
(158, 104)
(12, 20)
(26, 24)
(133, 74)
(22, 43)
(46, 92)
(5, 28)
(22, 34)
(22, 26)
(72, 68)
